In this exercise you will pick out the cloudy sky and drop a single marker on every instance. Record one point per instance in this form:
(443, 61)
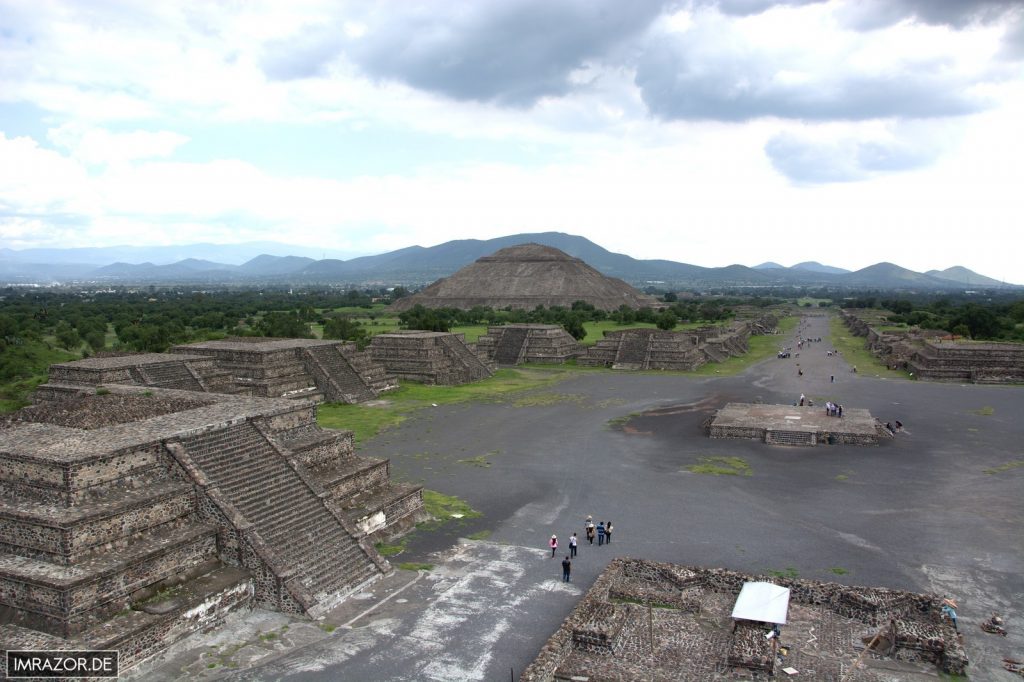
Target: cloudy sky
(709, 132)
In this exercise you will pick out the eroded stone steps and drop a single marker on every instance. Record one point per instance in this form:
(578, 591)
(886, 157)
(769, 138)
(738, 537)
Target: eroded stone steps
(283, 509)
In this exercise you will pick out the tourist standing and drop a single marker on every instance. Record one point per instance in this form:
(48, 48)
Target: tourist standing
(600, 533)
(608, 532)
(590, 532)
(553, 544)
(566, 570)
(572, 545)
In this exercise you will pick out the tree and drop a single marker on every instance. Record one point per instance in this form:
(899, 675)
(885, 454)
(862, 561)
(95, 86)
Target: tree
(345, 329)
(670, 297)
(574, 326)
(666, 320)
(67, 336)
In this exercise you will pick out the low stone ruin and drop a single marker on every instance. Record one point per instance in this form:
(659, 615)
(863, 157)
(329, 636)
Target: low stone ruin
(429, 357)
(649, 620)
(133, 515)
(514, 344)
(795, 425)
(935, 355)
(253, 366)
(636, 349)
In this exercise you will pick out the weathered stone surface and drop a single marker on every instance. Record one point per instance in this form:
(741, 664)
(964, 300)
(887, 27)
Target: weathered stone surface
(429, 357)
(514, 344)
(655, 621)
(794, 425)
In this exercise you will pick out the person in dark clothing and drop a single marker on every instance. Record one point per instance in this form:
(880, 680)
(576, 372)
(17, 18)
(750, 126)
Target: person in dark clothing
(608, 532)
(566, 570)
(572, 545)
(600, 533)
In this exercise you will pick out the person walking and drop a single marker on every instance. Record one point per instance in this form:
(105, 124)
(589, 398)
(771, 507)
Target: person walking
(600, 533)
(566, 570)
(572, 545)
(608, 532)
(553, 544)
(590, 532)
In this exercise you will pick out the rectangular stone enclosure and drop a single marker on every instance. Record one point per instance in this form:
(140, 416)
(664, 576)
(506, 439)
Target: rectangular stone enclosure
(794, 425)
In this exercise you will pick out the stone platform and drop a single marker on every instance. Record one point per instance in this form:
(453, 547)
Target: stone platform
(792, 425)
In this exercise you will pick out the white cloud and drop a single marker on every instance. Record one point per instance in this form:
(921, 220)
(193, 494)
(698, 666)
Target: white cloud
(95, 146)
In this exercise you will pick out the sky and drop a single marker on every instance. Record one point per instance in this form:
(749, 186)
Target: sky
(710, 132)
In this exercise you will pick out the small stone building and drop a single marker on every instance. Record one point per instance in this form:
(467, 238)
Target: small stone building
(133, 515)
(429, 357)
(643, 620)
(514, 344)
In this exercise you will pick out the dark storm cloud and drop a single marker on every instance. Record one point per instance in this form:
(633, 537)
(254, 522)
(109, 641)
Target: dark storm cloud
(872, 14)
(815, 162)
(680, 78)
(744, 8)
(507, 52)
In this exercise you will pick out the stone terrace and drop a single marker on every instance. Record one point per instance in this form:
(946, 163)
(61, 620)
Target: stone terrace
(143, 514)
(429, 357)
(794, 425)
(655, 621)
(514, 344)
(634, 349)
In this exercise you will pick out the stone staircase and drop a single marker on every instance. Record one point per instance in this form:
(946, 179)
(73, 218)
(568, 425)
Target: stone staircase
(466, 361)
(286, 513)
(510, 347)
(335, 376)
(172, 375)
(632, 352)
(373, 375)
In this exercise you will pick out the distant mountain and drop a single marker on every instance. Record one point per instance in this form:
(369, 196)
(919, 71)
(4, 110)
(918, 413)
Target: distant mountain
(266, 265)
(965, 277)
(815, 266)
(892, 276)
(418, 266)
(234, 254)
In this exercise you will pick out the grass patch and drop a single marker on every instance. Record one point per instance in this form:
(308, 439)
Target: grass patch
(760, 348)
(161, 595)
(328, 628)
(415, 566)
(721, 466)
(479, 460)
(544, 399)
(386, 549)
(366, 421)
(268, 636)
(446, 507)
(788, 572)
(838, 570)
(842, 477)
(986, 411)
(855, 351)
(1009, 466)
(479, 535)
(618, 423)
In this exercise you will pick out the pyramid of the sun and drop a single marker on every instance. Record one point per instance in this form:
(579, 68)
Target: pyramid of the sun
(524, 277)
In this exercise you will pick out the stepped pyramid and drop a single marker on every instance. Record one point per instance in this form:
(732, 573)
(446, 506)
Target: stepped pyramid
(523, 277)
(135, 515)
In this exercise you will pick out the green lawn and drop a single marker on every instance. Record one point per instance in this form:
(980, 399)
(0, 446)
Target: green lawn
(26, 366)
(855, 351)
(366, 421)
(761, 348)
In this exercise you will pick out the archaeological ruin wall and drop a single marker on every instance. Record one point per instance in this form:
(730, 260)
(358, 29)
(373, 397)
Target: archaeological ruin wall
(429, 357)
(515, 344)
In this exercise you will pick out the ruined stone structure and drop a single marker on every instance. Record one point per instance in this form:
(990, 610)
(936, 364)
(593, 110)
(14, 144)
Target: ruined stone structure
(133, 515)
(793, 425)
(935, 355)
(514, 344)
(524, 277)
(252, 366)
(429, 357)
(674, 350)
(656, 621)
(320, 369)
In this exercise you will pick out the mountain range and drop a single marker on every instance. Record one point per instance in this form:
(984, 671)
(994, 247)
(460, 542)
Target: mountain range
(416, 266)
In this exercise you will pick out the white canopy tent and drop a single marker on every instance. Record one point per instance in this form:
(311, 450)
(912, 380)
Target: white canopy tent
(763, 602)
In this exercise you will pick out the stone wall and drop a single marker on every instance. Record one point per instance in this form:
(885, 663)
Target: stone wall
(428, 357)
